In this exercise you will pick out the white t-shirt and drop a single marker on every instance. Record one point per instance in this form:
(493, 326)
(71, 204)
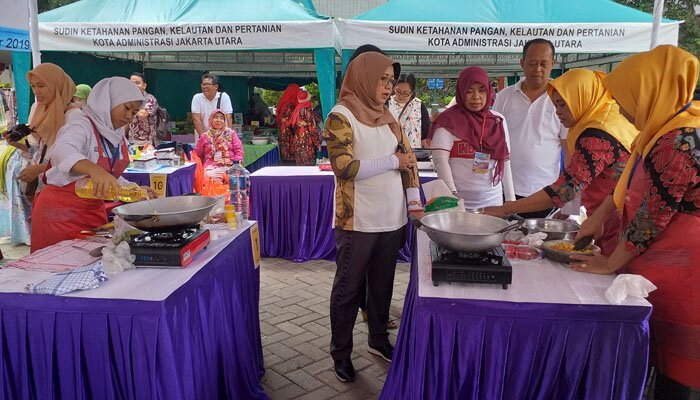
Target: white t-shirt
(477, 190)
(204, 107)
(535, 137)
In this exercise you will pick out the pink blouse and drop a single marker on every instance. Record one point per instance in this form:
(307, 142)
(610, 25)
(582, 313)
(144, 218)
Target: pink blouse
(216, 149)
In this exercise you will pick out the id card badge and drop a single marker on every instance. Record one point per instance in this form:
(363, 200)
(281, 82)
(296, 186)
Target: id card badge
(218, 156)
(481, 163)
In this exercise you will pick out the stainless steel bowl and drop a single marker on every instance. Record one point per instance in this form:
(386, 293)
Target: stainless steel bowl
(555, 229)
(422, 154)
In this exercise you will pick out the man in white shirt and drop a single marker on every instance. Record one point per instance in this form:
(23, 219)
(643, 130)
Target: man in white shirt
(536, 134)
(209, 100)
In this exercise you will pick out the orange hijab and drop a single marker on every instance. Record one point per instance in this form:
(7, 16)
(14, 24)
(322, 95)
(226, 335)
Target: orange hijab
(59, 88)
(359, 88)
(655, 87)
(592, 107)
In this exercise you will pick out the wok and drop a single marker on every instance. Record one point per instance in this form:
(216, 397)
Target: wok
(171, 213)
(463, 231)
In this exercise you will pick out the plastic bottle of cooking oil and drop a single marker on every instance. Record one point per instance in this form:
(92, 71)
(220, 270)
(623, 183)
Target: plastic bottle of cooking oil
(128, 193)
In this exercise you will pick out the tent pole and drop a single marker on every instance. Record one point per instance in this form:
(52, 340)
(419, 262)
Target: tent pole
(34, 32)
(658, 14)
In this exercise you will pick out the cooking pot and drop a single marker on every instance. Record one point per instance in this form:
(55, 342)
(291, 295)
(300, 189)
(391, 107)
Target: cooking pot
(463, 231)
(556, 229)
(167, 213)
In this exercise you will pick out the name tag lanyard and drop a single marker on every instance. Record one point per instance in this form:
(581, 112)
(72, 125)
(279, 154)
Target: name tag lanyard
(114, 156)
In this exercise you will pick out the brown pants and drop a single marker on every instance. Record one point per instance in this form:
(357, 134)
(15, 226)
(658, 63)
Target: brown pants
(360, 255)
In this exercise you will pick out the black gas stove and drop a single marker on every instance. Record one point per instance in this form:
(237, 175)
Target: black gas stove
(490, 266)
(168, 249)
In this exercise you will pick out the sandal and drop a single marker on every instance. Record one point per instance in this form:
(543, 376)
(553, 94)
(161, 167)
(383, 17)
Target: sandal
(392, 324)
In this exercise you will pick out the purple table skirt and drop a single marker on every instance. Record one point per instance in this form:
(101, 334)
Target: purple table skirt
(178, 183)
(269, 159)
(202, 342)
(295, 215)
(474, 349)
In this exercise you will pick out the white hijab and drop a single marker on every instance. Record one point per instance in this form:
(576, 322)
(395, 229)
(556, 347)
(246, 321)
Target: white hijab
(105, 95)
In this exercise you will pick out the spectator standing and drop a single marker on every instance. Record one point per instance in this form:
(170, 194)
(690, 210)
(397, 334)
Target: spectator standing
(537, 137)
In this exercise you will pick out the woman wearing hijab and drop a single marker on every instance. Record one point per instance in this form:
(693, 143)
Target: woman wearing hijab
(53, 91)
(220, 146)
(659, 196)
(305, 140)
(600, 139)
(285, 109)
(80, 97)
(470, 144)
(376, 179)
(93, 145)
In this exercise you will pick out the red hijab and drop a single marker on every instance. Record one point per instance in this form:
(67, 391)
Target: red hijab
(468, 125)
(288, 97)
(303, 101)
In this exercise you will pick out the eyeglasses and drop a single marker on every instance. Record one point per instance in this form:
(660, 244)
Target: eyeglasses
(387, 80)
(207, 84)
(402, 93)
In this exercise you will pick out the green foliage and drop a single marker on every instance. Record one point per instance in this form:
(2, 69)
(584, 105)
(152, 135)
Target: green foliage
(46, 5)
(682, 10)
(272, 97)
(442, 96)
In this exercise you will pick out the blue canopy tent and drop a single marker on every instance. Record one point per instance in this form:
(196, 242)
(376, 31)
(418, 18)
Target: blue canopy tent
(445, 31)
(243, 38)
(14, 38)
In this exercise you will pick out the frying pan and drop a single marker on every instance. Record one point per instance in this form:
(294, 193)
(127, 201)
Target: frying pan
(171, 213)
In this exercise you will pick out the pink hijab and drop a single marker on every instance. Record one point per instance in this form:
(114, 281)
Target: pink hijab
(483, 130)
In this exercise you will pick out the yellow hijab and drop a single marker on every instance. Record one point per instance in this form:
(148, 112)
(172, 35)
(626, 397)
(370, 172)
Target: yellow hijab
(591, 106)
(654, 87)
(48, 119)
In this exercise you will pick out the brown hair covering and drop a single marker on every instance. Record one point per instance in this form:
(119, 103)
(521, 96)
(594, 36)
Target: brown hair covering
(359, 88)
(48, 119)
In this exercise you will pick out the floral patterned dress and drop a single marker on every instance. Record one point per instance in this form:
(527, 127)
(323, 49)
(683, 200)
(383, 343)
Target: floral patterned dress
(593, 171)
(144, 130)
(662, 227)
(410, 119)
(286, 132)
(306, 139)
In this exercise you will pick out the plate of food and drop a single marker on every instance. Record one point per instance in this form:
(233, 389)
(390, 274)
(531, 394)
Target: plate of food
(561, 250)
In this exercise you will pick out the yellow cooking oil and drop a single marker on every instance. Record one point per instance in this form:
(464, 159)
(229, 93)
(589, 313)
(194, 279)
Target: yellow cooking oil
(128, 193)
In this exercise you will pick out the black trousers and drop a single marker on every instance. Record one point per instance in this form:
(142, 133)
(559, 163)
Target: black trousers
(534, 214)
(362, 255)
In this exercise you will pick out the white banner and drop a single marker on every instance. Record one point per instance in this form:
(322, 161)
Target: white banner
(503, 38)
(75, 36)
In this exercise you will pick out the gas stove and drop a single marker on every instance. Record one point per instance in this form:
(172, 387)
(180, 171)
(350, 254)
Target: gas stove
(174, 249)
(489, 266)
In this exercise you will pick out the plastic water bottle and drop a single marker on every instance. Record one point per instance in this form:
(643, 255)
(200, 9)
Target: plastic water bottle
(239, 183)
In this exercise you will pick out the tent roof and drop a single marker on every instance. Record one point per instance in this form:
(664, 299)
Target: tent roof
(506, 11)
(184, 25)
(504, 26)
(169, 11)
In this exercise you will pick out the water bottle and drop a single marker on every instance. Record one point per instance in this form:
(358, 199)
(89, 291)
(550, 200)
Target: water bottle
(239, 182)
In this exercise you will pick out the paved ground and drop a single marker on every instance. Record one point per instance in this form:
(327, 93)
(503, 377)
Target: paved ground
(294, 308)
(296, 334)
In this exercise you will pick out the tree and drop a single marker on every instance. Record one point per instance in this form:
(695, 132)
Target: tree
(682, 10)
(46, 5)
